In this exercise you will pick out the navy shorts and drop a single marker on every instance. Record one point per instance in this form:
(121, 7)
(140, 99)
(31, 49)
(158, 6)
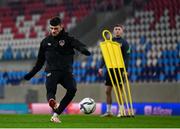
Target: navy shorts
(53, 78)
(108, 80)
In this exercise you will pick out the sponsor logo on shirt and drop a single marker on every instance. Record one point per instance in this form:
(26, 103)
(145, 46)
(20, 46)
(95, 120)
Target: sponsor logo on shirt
(61, 43)
(49, 44)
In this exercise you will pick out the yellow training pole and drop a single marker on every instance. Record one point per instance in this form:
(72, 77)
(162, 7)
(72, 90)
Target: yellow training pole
(108, 62)
(112, 53)
(127, 85)
(123, 111)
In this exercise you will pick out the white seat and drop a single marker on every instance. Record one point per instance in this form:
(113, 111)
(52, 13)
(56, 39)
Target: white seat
(157, 26)
(35, 17)
(1, 53)
(20, 18)
(154, 62)
(61, 15)
(149, 61)
(159, 54)
(83, 64)
(138, 62)
(95, 56)
(163, 46)
(153, 53)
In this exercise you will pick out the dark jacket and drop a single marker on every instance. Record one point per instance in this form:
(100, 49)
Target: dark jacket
(124, 48)
(58, 53)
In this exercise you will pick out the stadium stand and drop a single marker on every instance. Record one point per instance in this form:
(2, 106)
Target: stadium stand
(24, 24)
(31, 24)
(153, 34)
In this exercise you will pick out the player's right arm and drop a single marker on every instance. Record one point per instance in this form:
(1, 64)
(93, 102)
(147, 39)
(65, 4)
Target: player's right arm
(39, 63)
(100, 70)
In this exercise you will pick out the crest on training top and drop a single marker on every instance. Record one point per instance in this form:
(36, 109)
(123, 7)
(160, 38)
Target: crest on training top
(61, 43)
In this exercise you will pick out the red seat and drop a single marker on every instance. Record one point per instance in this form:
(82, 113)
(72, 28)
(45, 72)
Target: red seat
(19, 36)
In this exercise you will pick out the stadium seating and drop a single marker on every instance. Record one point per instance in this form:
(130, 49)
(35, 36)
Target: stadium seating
(153, 34)
(23, 24)
(154, 31)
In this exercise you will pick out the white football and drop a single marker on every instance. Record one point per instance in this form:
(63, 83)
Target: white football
(87, 105)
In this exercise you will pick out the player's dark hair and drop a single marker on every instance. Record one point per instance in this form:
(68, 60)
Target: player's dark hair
(55, 21)
(119, 25)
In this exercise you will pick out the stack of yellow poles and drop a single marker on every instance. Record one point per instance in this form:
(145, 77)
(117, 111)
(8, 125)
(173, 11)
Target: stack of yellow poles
(113, 59)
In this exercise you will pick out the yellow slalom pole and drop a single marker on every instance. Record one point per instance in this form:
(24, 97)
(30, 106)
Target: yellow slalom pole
(122, 82)
(117, 88)
(128, 87)
(114, 88)
(123, 112)
(129, 92)
(112, 53)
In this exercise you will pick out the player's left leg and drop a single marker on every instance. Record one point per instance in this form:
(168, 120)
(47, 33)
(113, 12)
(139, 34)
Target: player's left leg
(69, 83)
(108, 85)
(53, 104)
(55, 118)
(108, 112)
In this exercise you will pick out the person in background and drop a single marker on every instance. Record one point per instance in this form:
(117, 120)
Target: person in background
(117, 36)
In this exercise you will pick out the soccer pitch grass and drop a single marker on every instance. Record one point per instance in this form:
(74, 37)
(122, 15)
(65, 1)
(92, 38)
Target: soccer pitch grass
(88, 121)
